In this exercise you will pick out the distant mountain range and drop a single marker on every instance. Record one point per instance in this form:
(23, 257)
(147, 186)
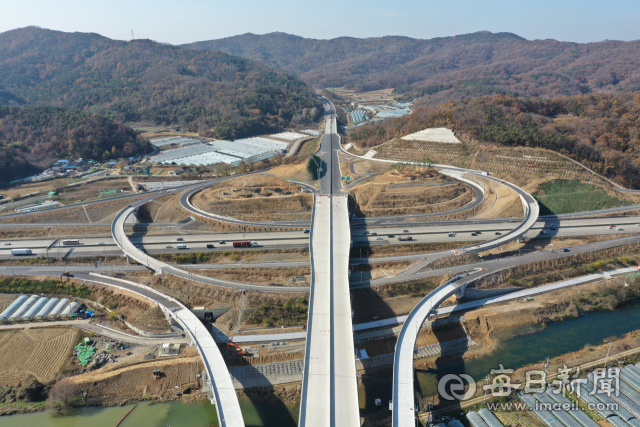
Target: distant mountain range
(212, 93)
(468, 65)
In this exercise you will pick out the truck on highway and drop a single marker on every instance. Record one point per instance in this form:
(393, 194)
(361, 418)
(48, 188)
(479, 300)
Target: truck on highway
(18, 252)
(405, 238)
(245, 244)
(181, 246)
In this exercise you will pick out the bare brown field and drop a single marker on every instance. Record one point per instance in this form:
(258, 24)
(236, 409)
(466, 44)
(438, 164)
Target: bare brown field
(500, 201)
(132, 383)
(256, 197)
(38, 352)
(293, 171)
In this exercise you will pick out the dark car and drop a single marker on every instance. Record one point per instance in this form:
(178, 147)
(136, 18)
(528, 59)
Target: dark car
(565, 250)
(180, 239)
(210, 246)
(474, 234)
(221, 242)
(498, 233)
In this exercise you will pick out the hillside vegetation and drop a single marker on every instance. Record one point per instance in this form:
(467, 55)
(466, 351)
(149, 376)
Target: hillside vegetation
(32, 136)
(600, 131)
(437, 69)
(212, 93)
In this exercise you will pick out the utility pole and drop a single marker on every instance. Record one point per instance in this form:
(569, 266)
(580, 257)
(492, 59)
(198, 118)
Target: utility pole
(131, 34)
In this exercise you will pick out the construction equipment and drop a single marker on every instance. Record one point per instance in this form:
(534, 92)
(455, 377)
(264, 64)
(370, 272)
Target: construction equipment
(239, 349)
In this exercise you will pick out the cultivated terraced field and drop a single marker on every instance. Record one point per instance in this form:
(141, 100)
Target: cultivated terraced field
(38, 352)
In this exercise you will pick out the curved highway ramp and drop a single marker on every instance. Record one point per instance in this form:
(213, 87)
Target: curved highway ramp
(403, 400)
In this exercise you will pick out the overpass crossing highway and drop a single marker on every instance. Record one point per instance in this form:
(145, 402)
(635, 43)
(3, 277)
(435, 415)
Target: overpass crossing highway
(329, 385)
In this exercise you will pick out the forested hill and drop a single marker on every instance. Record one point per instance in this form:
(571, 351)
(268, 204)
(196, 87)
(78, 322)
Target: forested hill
(32, 136)
(600, 131)
(213, 93)
(447, 68)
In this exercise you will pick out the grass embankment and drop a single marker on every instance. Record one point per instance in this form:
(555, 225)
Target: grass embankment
(607, 296)
(231, 256)
(26, 286)
(568, 196)
(555, 270)
(276, 313)
(404, 249)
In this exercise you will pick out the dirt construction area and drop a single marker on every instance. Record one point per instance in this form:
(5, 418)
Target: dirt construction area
(137, 382)
(257, 198)
(411, 191)
(38, 352)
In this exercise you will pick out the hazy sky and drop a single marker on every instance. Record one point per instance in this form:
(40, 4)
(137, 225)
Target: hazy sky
(185, 21)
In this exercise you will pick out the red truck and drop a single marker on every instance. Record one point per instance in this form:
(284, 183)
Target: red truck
(245, 244)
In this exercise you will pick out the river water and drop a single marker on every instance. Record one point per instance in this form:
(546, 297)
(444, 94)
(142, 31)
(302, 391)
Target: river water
(517, 348)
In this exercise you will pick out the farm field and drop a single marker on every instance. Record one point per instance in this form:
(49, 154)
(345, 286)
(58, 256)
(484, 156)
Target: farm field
(38, 352)
(568, 196)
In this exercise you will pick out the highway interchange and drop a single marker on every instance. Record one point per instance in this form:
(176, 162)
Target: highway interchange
(329, 393)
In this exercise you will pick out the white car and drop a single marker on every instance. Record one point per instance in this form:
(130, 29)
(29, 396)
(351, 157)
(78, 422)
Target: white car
(7, 244)
(168, 246)
(379, 238)
(100, 243)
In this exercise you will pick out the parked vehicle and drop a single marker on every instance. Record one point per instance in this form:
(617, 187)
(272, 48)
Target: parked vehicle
(245, 244)
(18, 252)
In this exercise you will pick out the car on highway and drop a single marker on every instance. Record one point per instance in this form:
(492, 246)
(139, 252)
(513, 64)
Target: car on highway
(552, 229)
(379, 238)
(306, 231)
(474, 234)
(391, 236)
(7, 244)
(612, 226)
(452, 234)
(100, 243)
(503, 182)
(169, 246)
(498, 233)
(221, 242)
(620, 229)
(365, 232)
(210, 246)
(565, 250)
(405, 231)
(541, 231)
(374, 234)
(180, 239)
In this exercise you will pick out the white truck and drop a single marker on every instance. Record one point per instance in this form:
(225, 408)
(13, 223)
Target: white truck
(18, 252)
(182, 247)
